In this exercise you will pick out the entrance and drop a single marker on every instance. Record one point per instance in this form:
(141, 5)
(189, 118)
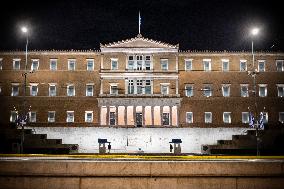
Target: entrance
(139, 119)
(112, 118)
(166, 118)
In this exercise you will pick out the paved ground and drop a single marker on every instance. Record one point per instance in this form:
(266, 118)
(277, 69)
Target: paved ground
(96, 157)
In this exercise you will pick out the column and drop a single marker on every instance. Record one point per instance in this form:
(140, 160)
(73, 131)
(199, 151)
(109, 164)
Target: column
(177, 114)
(134, 115)
(107, 115)
(100, 116)
(152, 115)
(101, 89)
(177, 87)
(161, 114)
(116, 115)
(143, 115)
(176, 62)
(102, 61)
(125, 115)
(170, 118)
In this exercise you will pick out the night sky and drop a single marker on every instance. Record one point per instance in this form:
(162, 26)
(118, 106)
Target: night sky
(195, 25)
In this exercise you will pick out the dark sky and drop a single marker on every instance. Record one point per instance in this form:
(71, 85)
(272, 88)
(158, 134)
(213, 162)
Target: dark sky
(195, 25)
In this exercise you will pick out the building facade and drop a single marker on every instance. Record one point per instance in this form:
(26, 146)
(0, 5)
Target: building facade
(144, 83)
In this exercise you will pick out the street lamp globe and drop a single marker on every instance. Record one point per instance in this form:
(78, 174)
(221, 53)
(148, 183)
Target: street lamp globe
(24, 29)
(255, 31)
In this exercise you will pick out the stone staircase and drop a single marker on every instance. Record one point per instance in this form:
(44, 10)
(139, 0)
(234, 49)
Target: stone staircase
(10, 142)
(271, 142)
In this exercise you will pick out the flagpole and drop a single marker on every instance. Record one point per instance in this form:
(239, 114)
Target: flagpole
(139, 22)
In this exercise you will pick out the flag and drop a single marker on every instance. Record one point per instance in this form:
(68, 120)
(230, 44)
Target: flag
(251, 120)
(261, 123)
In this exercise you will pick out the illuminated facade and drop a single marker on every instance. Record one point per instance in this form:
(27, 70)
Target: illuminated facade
(140, 82)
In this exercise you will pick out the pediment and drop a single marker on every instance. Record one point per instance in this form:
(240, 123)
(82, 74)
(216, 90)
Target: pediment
(139, 42)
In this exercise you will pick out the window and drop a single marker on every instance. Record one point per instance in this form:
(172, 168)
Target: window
(51, 116)
(52, 89)
(265, 117)
(71, 64)
(90, 64)
(189, 90)
(13, 116)
(280, 90)
(262, 90)
(207, 91)
(139, 85)
(261, 65)
(15, 89)
(148, 87)
(70, 90)
(243, 65)
(35, 64)
(113, 89)
(88, 116)
(226, 90)
(1, 63)
(207, 65)
(147, 62)
(16, 64)
(89, 89)
(244, 90)
(32, 116)
(280, 65)
(139, 62)
(33, 89)
(130, 86)
(164, 89)
(208, 117)
(164, 64)
(53, 64)
(114, 63)
(188, 64)
(70, 117)
(245, 117)
(130, 63)
(281, 117)
(225, 65)
(227, 117)
(189, 117)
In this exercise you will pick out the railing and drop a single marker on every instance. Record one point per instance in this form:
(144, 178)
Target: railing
(139, 95)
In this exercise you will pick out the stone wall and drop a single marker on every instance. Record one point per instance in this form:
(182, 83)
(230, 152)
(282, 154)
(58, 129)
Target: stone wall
(129, 140)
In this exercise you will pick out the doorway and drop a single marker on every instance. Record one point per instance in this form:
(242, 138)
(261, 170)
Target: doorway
(166, 119)
(139, 119)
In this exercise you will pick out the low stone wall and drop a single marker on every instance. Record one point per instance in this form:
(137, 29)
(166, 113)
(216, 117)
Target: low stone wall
(74, 174)
(129, 140)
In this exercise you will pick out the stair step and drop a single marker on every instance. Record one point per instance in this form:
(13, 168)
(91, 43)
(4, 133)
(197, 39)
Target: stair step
(221, 142)
(242, 137)
(16, 131)
(36, 136)
(42, 141)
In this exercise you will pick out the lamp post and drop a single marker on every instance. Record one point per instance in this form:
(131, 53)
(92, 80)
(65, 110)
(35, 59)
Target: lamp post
(25, 31)
(254, 33)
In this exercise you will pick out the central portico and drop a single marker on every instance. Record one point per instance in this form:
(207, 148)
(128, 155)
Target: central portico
(139, 83)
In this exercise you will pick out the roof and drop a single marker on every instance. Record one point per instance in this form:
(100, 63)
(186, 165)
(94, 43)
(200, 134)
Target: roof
(139, 42)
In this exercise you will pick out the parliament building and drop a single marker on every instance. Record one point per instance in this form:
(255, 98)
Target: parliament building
(140, 84)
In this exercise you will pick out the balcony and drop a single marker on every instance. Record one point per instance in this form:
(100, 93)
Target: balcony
(140, 95)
